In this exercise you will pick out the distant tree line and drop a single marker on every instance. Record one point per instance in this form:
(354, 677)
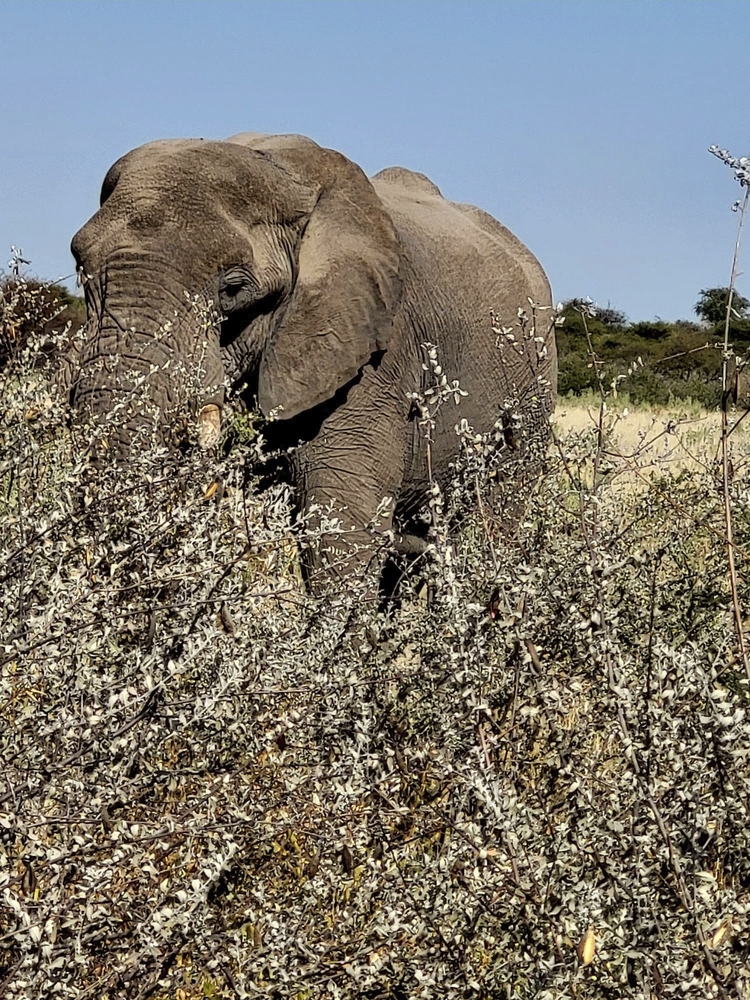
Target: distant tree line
(678, 360)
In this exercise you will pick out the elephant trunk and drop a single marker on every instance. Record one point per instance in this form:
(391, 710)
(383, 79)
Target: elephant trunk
(148, 366)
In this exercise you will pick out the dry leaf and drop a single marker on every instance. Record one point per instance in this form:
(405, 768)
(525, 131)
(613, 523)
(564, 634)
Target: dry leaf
(736, 387)
(347, 860)
(28, 882)
(151, 628)
(493, 607)
(107, 821)
(226, 620)
(587, 947)
(533, 653)
(721, 933)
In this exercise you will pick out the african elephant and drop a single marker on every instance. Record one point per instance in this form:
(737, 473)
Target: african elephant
(326, 286)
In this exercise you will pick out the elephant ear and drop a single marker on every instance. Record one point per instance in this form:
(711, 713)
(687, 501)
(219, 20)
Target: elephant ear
(347, 287)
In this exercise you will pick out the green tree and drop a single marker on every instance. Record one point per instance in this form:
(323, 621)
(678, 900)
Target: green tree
(606, 315)
(711, 306)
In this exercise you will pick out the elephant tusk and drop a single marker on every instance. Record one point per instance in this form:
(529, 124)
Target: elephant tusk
(209, 426)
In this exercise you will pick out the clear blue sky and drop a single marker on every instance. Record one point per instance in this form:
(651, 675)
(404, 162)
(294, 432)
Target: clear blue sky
(582, 125)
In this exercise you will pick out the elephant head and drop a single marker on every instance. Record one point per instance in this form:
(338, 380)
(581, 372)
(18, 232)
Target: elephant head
(285, 243)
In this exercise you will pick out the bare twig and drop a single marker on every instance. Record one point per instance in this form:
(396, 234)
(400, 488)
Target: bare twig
(726, 469)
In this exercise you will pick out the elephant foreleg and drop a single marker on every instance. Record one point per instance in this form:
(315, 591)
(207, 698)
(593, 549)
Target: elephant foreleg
(348, 479)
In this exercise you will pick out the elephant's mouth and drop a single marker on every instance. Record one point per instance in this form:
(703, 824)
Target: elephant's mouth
(141, 381)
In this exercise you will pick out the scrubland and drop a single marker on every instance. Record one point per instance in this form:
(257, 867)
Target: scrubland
(527, 777)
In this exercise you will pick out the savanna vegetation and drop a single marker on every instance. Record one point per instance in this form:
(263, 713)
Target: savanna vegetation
(528, 777)
(668, 361)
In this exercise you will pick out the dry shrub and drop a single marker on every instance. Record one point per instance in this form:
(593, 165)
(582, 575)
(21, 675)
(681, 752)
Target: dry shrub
(533, 784)
(44, 312)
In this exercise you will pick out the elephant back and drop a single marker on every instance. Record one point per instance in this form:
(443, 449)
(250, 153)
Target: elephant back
(431, 224)
(460, 265)
(409, 180)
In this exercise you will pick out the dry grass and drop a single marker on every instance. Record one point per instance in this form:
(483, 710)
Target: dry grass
(663, 440)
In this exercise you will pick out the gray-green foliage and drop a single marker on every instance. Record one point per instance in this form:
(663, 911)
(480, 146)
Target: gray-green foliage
(215, 784)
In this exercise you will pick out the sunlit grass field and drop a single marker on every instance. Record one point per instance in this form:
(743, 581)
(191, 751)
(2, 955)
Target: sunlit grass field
(666, 440)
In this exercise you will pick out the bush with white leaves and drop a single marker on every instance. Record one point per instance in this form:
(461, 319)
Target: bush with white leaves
(529, 777)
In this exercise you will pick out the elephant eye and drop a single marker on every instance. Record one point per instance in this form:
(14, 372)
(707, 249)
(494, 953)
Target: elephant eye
(233, 280)
(237, 290)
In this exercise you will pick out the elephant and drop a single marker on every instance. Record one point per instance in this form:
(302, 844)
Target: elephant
(335, 298)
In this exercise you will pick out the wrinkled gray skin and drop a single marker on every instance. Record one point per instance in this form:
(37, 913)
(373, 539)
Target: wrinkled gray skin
(328, 285)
